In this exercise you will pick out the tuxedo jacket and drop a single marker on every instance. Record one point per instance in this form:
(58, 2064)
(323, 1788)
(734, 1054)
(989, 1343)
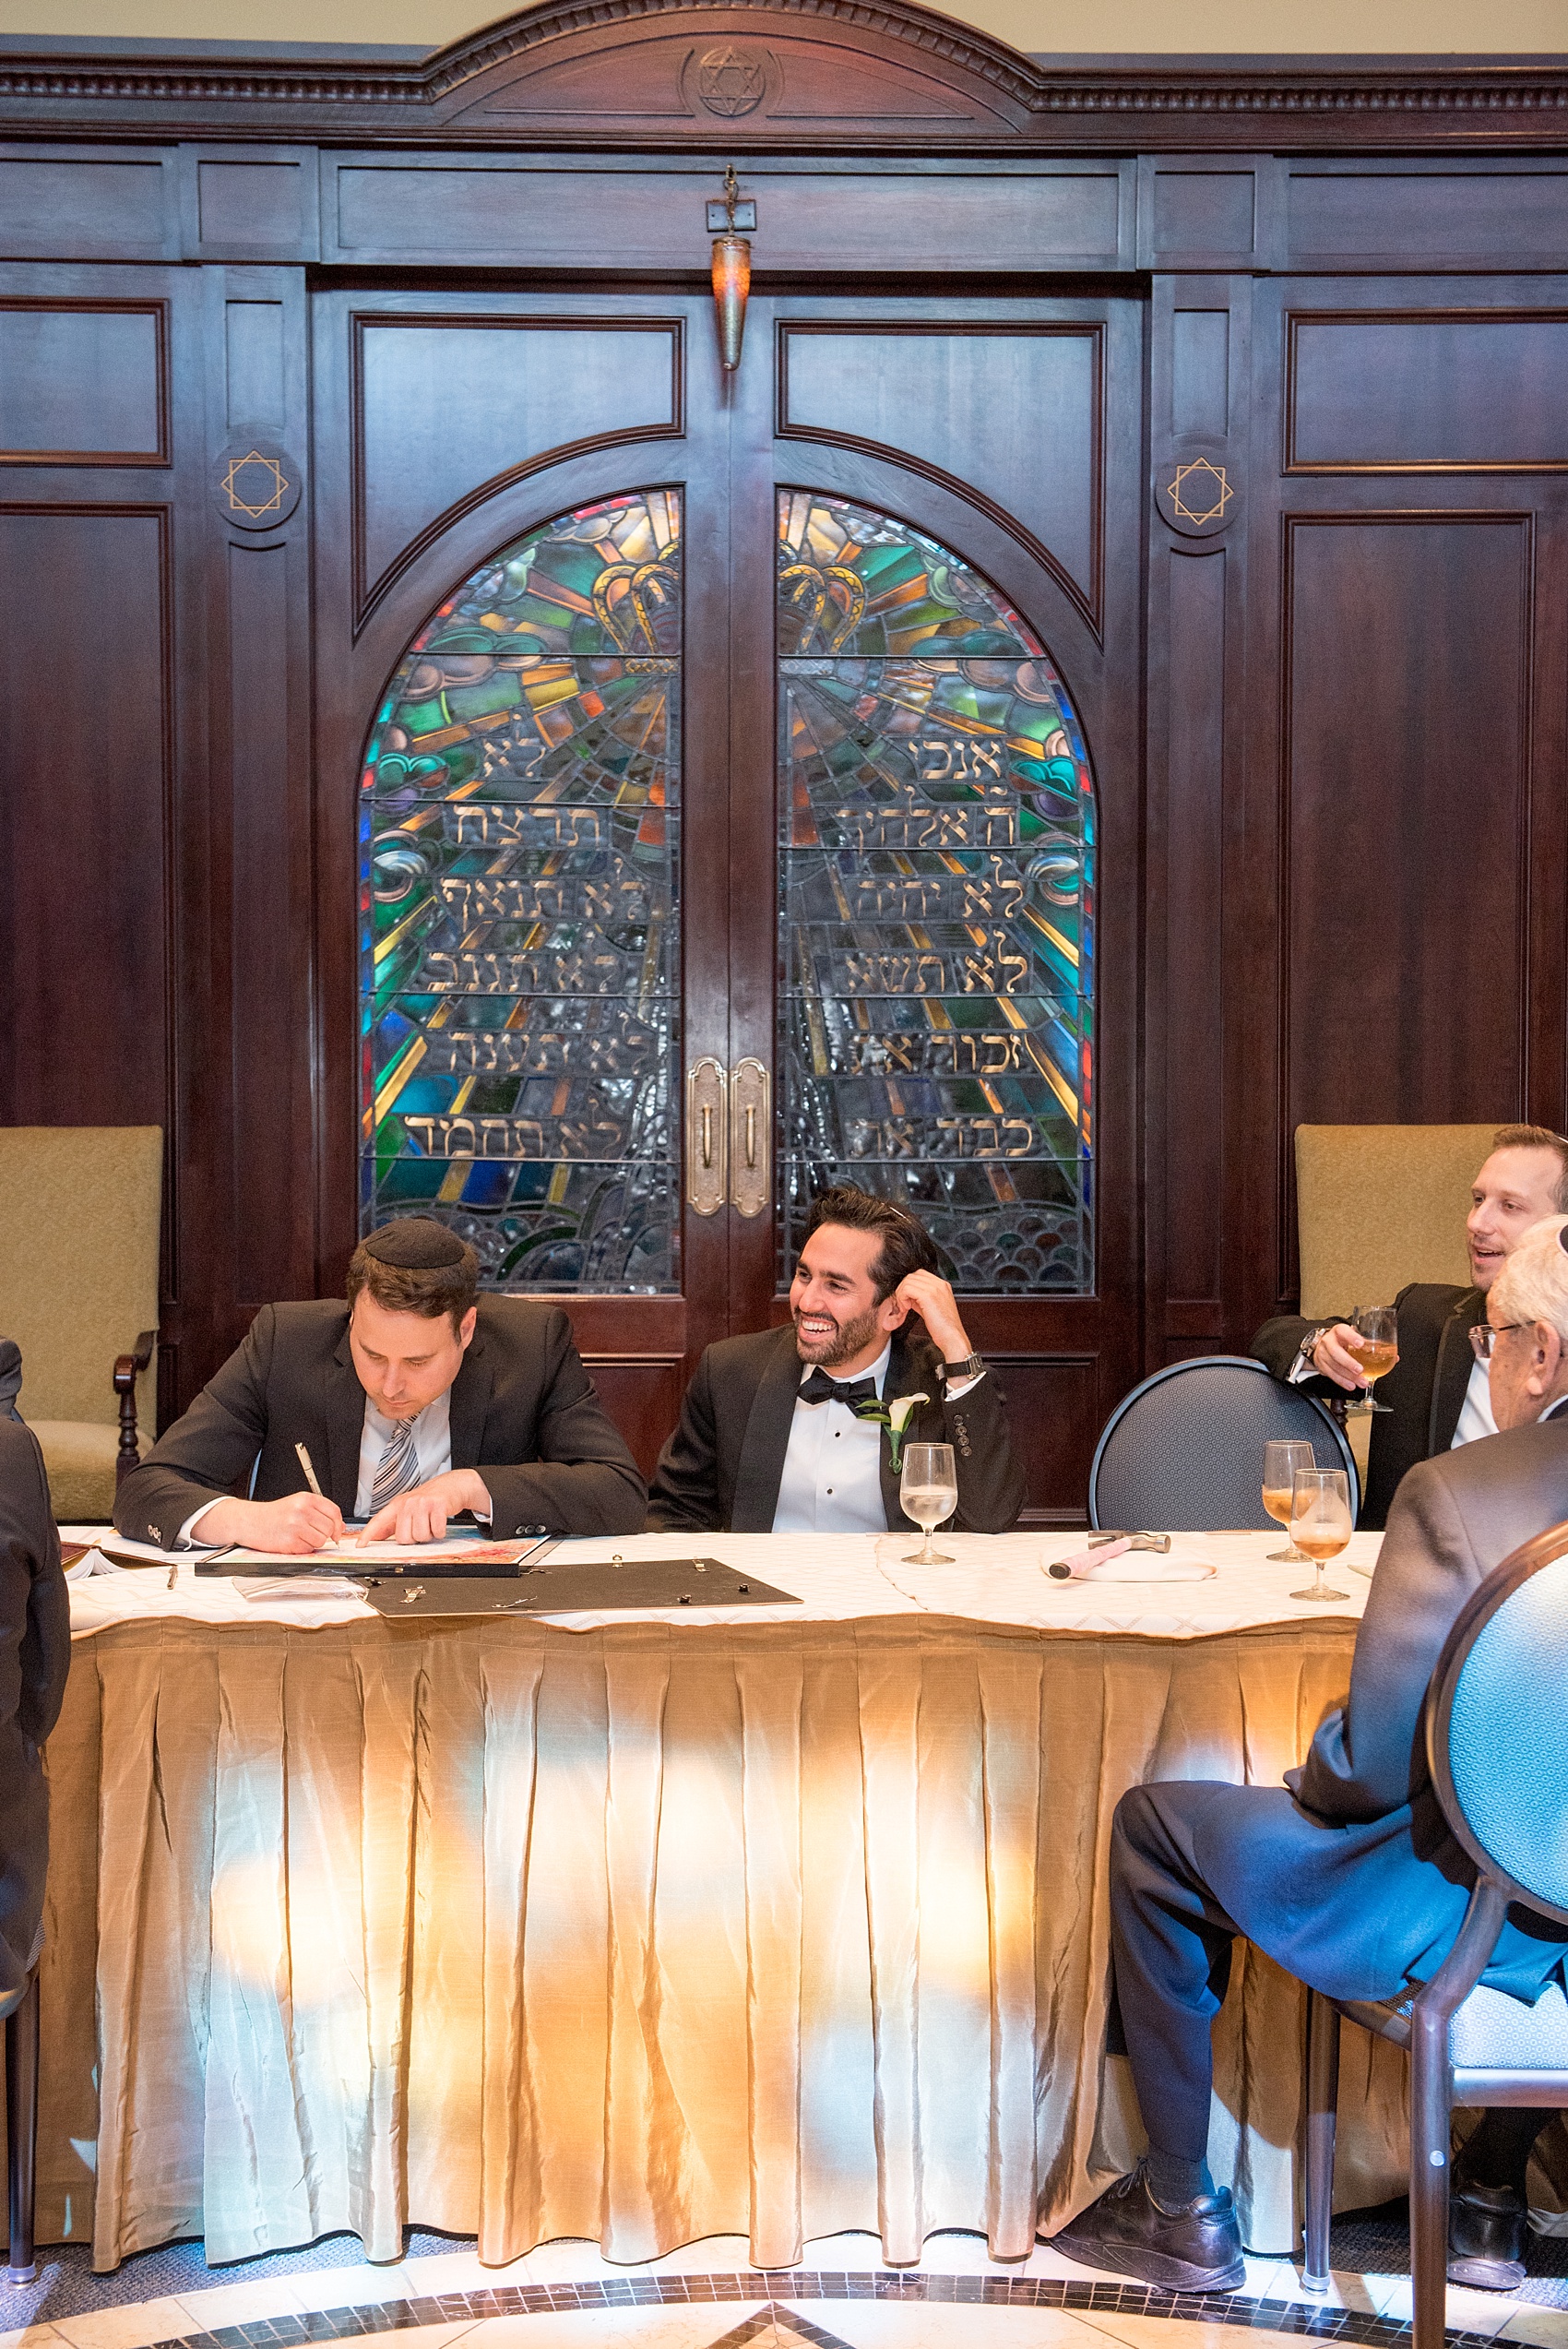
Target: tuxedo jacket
(1351, 1879)
(1424, 1391)
(523, 1411)
(720, 1471)
(35, 1654)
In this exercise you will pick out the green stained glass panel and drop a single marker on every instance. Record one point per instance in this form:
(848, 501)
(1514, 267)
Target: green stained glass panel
(936, 904)
(519, 854)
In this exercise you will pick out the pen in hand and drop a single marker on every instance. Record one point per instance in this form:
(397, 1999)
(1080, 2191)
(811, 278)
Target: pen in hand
(303, 1458)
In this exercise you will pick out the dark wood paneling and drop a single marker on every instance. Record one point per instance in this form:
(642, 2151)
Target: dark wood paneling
(1464, 218)
(911, 222)
(949, 397)
(1200, 375)
(1407, 393)
(1406, 773)
(1204, 216)
(241, 204)
(86, 207)
(1054, 1410)
(642, 1395)
(84, 383)
(253, 348)
(446, 410)
(1194, 998)
(85, 651)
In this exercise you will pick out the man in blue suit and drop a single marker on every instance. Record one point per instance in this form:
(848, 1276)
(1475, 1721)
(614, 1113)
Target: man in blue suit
(1347, 1875)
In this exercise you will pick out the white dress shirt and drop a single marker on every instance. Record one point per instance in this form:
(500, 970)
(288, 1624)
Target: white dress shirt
(433, 1450)
(832, 1479)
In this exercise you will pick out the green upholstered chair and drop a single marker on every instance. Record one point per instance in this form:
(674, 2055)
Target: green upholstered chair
(79, 1293)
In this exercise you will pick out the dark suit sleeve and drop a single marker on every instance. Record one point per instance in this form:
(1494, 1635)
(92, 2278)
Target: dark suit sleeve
(991, 1482)
(584, 1479)
(1369, 1755)
(208, 1450)
(1278, 1343)
(685, 1497)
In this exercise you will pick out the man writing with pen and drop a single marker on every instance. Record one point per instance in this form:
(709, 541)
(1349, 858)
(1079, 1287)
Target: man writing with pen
(414, 1402)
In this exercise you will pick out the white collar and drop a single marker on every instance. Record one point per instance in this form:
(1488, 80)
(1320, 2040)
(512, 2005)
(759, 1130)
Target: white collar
(877, 1370)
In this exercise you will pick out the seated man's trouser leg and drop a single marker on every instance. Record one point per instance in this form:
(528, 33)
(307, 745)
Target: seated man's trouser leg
(1170, 1940)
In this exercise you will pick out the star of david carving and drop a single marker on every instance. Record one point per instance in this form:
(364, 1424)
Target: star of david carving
(730, 82)
(1191, 484)
(271, 475)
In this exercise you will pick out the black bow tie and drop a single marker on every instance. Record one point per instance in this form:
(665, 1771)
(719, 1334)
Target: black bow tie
(820, 1388)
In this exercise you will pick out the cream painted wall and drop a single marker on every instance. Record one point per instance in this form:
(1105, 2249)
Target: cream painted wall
(1102, 27)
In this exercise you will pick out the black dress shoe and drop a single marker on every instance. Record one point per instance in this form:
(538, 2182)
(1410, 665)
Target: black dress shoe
(1486, 2235)
(1197, 2248)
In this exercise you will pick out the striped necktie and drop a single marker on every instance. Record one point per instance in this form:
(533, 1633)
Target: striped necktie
(399, 1467)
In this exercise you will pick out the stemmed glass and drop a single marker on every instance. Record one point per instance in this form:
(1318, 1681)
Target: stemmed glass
(1281, 1461)
(929, 1491)
(1376, 1347)
(1320, 1521)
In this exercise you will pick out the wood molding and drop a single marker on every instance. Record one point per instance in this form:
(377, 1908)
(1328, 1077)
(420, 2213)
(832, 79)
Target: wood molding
(1193, 103)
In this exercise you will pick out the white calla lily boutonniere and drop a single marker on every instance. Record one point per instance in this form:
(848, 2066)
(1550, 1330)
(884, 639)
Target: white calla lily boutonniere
(895, 1417)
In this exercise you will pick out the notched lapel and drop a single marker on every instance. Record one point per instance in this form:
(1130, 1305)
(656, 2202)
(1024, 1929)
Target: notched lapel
(1454, 1363)
(469, 1407)
(345, 1426)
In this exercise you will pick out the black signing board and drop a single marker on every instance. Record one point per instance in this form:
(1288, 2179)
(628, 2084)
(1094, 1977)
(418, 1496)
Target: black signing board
(596, 1586)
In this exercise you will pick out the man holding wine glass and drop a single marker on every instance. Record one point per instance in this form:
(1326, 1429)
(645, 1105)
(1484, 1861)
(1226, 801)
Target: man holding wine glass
(1435, 1395)
(1347, 1875)
(830, 1425)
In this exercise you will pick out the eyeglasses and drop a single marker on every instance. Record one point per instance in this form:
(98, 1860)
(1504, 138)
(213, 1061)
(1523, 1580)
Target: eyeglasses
(1485, 1334)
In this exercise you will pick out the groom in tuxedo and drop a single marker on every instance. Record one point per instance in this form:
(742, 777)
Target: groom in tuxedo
(777, 1432)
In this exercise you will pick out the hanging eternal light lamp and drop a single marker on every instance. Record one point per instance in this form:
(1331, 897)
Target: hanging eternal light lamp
(732, 268)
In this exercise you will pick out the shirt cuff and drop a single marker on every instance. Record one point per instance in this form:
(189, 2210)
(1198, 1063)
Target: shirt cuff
(1303, 1366)
(186, 1538)
(961, 1387)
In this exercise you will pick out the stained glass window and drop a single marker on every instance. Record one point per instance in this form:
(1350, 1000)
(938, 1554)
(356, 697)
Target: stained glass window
(936, 895)
(520, 838)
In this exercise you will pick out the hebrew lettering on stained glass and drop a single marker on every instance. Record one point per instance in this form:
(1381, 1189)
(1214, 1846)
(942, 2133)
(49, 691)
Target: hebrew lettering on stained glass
(936, 904)
(519, 847)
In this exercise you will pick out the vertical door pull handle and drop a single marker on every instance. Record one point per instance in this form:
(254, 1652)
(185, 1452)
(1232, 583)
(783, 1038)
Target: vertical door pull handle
(751, 1094)
(707, 1084)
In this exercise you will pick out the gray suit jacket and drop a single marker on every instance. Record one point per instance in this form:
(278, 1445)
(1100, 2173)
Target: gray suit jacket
(720, 1469)
(1356, 1885)
(35, 1654)
(524, 1412)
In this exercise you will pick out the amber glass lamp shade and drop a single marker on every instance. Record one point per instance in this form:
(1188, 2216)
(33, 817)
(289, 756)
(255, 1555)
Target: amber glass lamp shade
(732, 283)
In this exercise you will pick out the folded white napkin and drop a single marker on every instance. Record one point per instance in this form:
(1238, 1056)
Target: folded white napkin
(1118, 1562)
(298, 1586)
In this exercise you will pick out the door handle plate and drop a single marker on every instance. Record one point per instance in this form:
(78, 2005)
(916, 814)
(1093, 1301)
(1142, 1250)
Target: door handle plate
(707, 1134)
(751, 1136)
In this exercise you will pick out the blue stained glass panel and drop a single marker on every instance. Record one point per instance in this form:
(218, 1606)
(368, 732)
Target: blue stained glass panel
(519, 910)
(936, 904)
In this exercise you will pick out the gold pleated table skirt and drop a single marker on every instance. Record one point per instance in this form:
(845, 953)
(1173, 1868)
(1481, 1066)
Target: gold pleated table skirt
(641, 1934)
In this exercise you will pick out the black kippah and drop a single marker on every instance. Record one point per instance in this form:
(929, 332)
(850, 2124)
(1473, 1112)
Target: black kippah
(415, 1244)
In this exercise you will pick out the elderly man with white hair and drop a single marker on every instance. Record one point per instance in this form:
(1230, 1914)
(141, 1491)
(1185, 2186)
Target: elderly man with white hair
(1347, 1874)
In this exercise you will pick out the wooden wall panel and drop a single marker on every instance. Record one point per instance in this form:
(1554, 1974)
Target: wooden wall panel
(1407, 393)
(85, 205)
(1011, 418)
(1054, 1409)
(1469, 216)
(1407, 704)
(84, 383)
(642, 1395)
(85, 958)
(448, 410)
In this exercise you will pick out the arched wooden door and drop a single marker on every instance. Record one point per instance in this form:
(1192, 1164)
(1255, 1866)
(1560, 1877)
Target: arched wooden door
(733, 785)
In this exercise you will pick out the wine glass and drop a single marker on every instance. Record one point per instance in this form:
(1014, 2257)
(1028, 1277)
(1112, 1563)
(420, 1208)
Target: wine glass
(929, 1491)
(1320, 1521)
(1281, 1461)
(1376, 1347)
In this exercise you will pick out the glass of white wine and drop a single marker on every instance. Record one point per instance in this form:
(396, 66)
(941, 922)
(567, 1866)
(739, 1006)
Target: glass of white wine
(1320, 1523)
(1376, 1347)
(1281, 1461)
(929, 1491)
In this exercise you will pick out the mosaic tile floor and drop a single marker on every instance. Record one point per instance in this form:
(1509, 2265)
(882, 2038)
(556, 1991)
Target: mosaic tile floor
(706, 2296)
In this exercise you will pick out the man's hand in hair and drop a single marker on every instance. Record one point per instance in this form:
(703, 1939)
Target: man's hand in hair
(929, 1295)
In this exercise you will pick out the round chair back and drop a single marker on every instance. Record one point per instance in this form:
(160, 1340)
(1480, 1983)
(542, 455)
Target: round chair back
(1183, 1452)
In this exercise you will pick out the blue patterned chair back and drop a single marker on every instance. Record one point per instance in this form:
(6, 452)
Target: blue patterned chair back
(1497, 1724)
(1184, 1450)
